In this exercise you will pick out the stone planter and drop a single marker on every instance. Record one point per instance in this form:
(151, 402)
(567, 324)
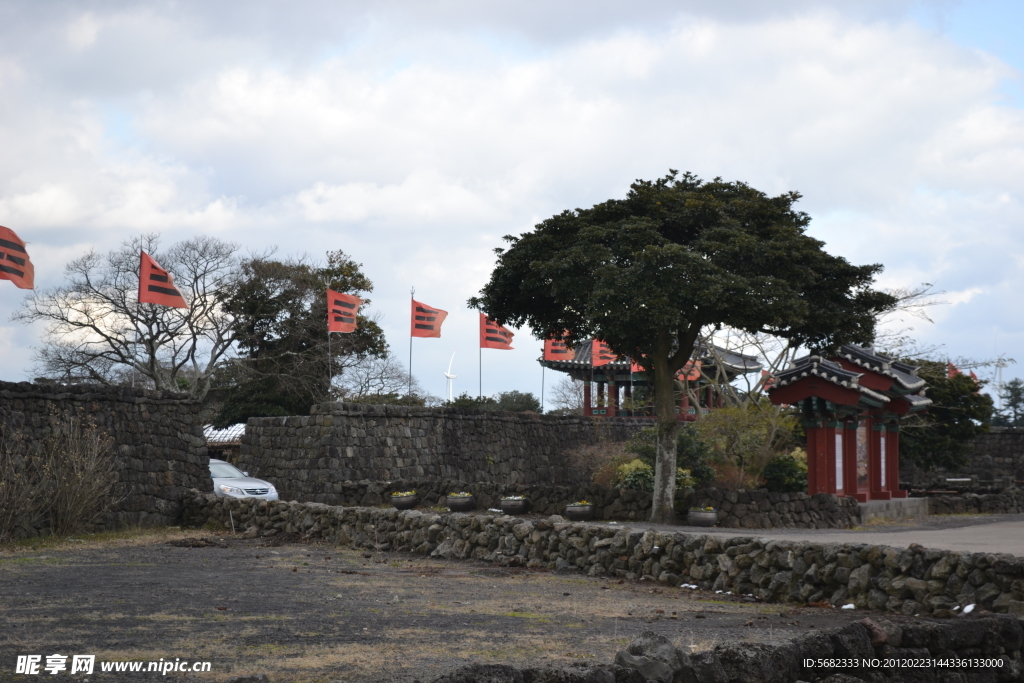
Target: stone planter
(514, 506)
(405, 502)
(702, 518)
(579, 513)
(460, 503)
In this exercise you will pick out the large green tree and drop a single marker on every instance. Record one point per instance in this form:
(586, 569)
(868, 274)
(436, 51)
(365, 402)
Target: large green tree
(647, 273)
(943, 435)
(285, 362)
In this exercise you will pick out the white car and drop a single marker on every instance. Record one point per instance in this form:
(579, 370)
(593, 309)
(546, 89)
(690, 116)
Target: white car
(230, 482)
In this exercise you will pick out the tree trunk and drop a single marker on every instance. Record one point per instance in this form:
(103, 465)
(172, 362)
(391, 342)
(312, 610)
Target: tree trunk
(662, 506)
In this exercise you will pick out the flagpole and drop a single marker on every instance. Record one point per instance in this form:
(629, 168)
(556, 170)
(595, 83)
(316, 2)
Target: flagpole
(330, 359)
(412, 293)
(542, 390)
(480, 373)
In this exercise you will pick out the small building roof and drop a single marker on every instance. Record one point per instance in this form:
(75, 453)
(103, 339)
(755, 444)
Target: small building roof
(829, 371)
(732, 363)
(229, 436)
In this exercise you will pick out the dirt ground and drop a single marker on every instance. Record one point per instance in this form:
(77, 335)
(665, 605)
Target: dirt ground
(302, 612)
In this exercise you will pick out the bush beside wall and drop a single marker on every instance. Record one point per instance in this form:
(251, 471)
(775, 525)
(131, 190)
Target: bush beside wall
(160, 451)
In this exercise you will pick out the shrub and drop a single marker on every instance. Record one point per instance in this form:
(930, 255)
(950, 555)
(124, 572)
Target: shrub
(635, 474)
(785, 474)
(66, 478)
(692, 455)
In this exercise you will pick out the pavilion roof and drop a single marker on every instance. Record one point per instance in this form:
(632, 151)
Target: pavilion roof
(732, 363)
(904, 375)
(829, 371)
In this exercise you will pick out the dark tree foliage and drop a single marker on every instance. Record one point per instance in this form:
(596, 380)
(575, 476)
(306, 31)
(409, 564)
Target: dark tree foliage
(943, 435)
(691, 453)
(1012, 398)
(280, 311)
(785, 474)
(508, 401)
(648, 272)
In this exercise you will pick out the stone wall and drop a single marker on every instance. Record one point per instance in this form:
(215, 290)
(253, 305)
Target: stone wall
(996, 462)
(160, 449)
(1010, 501)
(737, 509)
(310, 458)
(981, 649)
(909, 581)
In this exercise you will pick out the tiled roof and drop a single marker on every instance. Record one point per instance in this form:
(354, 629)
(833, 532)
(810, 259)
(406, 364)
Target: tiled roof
(864, 356)
(828, 370)
(228, 436)
(737, 363)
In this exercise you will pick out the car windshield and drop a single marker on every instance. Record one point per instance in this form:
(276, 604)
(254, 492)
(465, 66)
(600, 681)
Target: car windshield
(222, 470)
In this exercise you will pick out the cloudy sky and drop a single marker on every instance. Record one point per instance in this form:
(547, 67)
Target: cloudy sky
(413, 135)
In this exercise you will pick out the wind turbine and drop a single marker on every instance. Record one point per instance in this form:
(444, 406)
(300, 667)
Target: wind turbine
(450, 377)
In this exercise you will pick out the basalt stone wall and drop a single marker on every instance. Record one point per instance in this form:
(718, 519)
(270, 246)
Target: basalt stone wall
(997, 461)
(160, 452)
(1009, 501)
(982, 649)
(310, 458)
(909, 581)
(757, 509)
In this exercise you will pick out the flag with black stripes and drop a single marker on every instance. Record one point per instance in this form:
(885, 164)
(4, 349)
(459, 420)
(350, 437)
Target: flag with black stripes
(555, 349)
(15, 264)
(341, 311)
(493, 335)
(426, 320)
(156, 286)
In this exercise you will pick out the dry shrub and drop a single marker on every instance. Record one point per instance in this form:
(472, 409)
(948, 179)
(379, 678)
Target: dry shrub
(67, 478)
(599, 461)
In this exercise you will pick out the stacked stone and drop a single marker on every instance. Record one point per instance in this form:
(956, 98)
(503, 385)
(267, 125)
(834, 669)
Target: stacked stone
(1010, 501)
(909, 581)
(760, 509)
(996, 462)
(158, 437)
(310, 458)
(979, 649)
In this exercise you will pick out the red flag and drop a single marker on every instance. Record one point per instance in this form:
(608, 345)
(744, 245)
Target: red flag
(426, 321)
(555, 349)
(635, 367)
(156, 286)
(973, 376)
(14, 262)
(951, 370)
(690, 371)
(341, 311)
(493, 335)
(768, 380)
(600, 354)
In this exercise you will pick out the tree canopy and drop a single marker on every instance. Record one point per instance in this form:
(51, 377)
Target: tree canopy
(647, 273)
(943, 435)
(280, 326)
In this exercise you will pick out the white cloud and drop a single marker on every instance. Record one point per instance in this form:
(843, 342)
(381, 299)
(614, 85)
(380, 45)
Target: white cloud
(414, 142)
(83, 31)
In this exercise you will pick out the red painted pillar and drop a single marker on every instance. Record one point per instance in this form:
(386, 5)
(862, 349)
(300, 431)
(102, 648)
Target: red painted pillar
(892, 441)
(601, 403)
(858, 452)
(613, 394)
(817, 460)
(587, 409)
(830, 457)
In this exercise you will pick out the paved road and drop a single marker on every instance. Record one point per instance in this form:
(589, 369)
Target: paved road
(973, 533)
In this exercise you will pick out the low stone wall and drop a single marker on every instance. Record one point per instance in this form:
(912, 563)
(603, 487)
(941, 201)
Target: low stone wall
(996, 462)
(310, 458)
(981, 649)
(1010, 501)
(737, 509)
(160, 449)
(910, 581)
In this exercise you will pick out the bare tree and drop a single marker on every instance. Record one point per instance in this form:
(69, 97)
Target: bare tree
(567, 396)
(97, 331)
(375, 376)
